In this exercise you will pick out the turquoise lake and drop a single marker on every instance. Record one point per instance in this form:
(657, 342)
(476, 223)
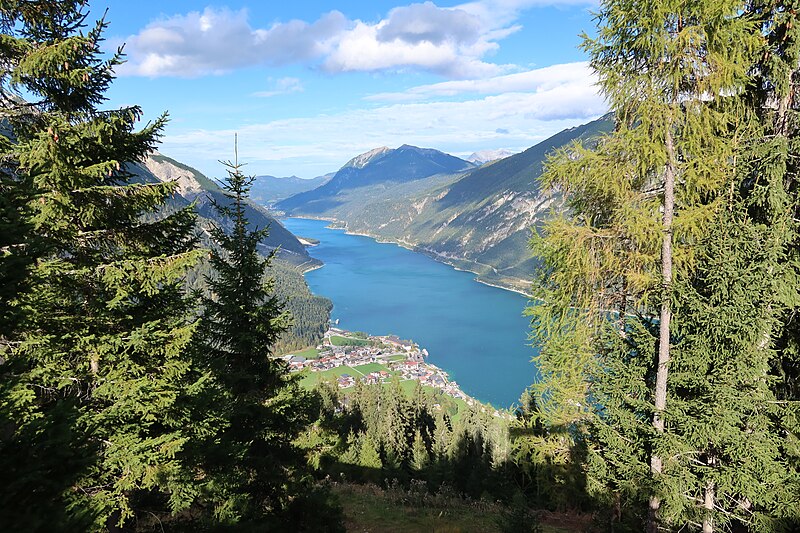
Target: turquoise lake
(475, 332)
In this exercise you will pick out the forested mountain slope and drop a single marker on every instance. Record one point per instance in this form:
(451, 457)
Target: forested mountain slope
(310, 313)
(193, 186)
(383, 167)
(479, 219)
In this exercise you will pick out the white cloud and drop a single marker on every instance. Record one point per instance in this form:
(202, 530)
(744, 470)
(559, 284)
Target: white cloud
(217, 41)
(361, 49)
(306, 147)
(565, 75)
(453, 42)
(427, 22)
(282, 86)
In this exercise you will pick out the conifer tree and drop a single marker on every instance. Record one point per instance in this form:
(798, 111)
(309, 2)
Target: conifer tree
(91, 384)
(638, 205)
(420, 457)
(369, 456)
(251, 467)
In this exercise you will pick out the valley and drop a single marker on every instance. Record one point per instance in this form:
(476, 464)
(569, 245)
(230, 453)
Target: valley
(475, 216)
(382, 288)
(477, 219)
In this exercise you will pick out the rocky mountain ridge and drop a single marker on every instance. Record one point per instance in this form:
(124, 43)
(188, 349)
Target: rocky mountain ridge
(194, 187)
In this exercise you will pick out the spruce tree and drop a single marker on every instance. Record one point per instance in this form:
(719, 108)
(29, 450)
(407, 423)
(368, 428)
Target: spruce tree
(728, 429)
(250, 466)
(420, 458)
(639, 203)
(369, 456)
(91, 385)
(774, 180)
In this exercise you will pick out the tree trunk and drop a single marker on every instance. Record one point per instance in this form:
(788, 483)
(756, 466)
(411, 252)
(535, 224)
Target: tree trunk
(708, 503)
(663, 329)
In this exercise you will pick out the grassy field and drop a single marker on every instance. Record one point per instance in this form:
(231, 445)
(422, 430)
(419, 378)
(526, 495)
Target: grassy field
(313, 378)
(372, 367)
(368, 509)
(338, 340)
(308, 353)
(357, 372)
(395, 358)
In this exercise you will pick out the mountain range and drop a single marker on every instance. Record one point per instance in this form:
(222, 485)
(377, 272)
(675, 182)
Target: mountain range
(269, 189)
(475, 218)
(384, 167)
(310, 313)
(487, 156)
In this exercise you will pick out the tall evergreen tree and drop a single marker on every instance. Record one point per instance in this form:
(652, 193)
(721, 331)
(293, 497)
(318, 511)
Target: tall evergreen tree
(250, 465)
(90, 387)
(639, 205)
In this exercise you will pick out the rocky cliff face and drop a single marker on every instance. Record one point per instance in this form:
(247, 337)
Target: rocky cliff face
(362, 160)
(194, 187)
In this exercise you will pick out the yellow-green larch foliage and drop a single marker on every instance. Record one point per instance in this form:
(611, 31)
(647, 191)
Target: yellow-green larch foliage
(638, 203)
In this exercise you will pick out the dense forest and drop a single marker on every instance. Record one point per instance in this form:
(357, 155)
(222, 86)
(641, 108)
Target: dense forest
(666, 306)
(308, 313)
(129, 401)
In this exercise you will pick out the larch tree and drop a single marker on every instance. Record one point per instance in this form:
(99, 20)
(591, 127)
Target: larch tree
(734, 427)
(90, 387)
(637, 206)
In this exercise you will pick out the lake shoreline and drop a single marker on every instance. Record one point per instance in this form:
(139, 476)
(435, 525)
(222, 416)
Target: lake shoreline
(476, 333)
(342, 225)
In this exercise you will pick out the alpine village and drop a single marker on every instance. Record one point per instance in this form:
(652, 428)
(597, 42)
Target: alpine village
(241, 352)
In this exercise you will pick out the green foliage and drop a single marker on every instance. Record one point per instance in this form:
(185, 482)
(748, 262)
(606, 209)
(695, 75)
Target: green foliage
(309, 313)
(92, 382)
(251, 468)
(116, 413)
(383, 433)
(549, 464)
(694, 88)
(420, 457)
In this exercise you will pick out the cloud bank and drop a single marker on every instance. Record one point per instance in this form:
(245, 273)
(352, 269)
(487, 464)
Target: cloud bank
(453, 42)
(218, 41)
(513, 120)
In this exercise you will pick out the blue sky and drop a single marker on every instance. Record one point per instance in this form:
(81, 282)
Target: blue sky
(308, 85)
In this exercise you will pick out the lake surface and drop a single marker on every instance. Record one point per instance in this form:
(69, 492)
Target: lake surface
(475, 332)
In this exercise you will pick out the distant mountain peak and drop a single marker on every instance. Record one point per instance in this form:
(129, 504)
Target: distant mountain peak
(485, 156)
(360, 161)
(379, 166)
